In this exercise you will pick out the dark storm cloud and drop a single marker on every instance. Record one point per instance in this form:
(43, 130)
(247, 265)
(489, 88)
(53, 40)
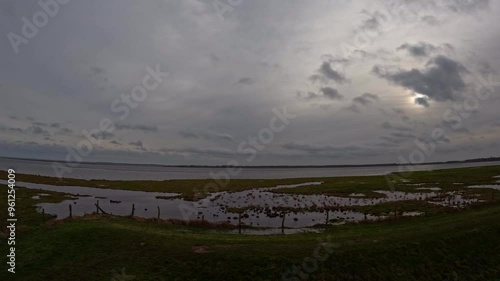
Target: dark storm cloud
(136, 127)
(422, 101)
(440, 81)
(331, 93)
(326, 72)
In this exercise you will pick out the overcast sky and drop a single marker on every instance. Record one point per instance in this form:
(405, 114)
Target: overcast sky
(364, 79)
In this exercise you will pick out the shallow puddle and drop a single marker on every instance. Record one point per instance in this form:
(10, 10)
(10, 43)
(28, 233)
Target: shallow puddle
(490, 186)
(260, 207)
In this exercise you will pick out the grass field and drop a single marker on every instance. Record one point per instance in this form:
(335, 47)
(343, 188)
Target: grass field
(458, 245)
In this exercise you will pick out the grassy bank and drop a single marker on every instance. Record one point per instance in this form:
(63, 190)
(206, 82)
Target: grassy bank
(460, 246)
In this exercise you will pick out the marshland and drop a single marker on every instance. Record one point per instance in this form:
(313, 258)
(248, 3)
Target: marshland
(262, 226)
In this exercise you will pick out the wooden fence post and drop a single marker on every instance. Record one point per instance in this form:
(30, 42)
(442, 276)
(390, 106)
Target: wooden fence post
(97, 206)
(70, 211)
(239, 223)
(283, 223)
(158, 211)
(133, 210)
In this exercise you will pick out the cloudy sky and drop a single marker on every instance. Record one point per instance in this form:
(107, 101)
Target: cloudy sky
(366, 81)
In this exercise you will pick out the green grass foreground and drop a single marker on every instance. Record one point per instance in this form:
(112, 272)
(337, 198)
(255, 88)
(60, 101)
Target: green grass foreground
(460, 245)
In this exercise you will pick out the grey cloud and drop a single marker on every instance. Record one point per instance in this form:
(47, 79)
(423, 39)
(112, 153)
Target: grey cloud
(205, 134)
(353, 107)
(371, 24)
(430, 20)
(326, 72)
(37, 130)
(420, 49)
(388, 125)
(40, 124)
(403, 135)
(440, 81)
(401, 113)
(103, 135)
(199, 151)
(365, 99)
(330, 150)
(11, 129)
(422, 101)
(468, 6)
(64, 131)
(207, 57)
(246, 81)
(331, 93)
(138, 144)
(307, 96)
(215, 58)
(335, 59)
(136, 127)
(97, 70)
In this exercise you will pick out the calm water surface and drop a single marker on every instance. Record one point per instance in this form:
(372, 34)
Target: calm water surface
(151, 172)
